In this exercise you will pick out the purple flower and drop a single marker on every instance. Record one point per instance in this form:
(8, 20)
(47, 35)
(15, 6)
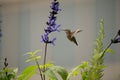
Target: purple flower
(56, 27)
(52, 22)
(55, 6)
(53, 41)
(52, 29)
(52, 26)
(117, 40)
(45, 38)
(52, 16)
(48, 30)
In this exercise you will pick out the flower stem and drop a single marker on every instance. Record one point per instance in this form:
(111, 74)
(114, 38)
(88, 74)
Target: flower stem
(45, 59)
(39, 69)
(6, 65)
(108, 46)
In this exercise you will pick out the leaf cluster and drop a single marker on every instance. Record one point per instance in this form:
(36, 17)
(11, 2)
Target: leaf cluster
(33, 56)
(8, 74)
(31, 70)
(51, 73)
(94, 71)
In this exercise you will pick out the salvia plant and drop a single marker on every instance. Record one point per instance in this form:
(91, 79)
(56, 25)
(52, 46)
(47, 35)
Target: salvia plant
(87, 70)
(7, 73)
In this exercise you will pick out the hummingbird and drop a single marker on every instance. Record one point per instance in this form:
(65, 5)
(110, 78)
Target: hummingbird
(70, 35)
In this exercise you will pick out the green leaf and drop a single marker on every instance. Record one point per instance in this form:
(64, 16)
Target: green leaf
(33, 56)
(74, 72)
(11, 76)
(28, 73)
(110, 51)
(35, 52)
(100, 67)
(15, 70)
(77, 69)
(32, 53)
(84, 74)
(38, 57)
(84, 64)
(30, 59)
(50, 74)
(60, 70)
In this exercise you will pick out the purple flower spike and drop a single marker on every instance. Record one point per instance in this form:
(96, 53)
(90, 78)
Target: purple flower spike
(51, 24)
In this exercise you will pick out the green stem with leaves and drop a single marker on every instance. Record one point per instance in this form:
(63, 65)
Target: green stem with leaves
(39, 69)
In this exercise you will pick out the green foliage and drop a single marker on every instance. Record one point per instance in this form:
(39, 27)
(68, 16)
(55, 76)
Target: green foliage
(50, 73)
(8, 74)
(74, 72)
(33, 56)
(32, 69)
(94, 71)
(46, 66)
(110, 51)
(28, 73)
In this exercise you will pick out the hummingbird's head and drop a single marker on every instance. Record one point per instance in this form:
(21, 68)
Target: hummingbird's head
(67, 31)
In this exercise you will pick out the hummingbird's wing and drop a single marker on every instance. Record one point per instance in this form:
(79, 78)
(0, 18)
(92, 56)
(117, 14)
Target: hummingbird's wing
(73, 39)
(74, 32)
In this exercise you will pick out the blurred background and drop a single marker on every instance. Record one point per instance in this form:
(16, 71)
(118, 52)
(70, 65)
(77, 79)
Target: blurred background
(23, 23)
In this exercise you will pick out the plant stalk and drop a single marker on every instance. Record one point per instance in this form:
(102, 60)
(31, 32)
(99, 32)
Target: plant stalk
(39, 69)
(45, 55)
(107, 48)
(109, 45)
